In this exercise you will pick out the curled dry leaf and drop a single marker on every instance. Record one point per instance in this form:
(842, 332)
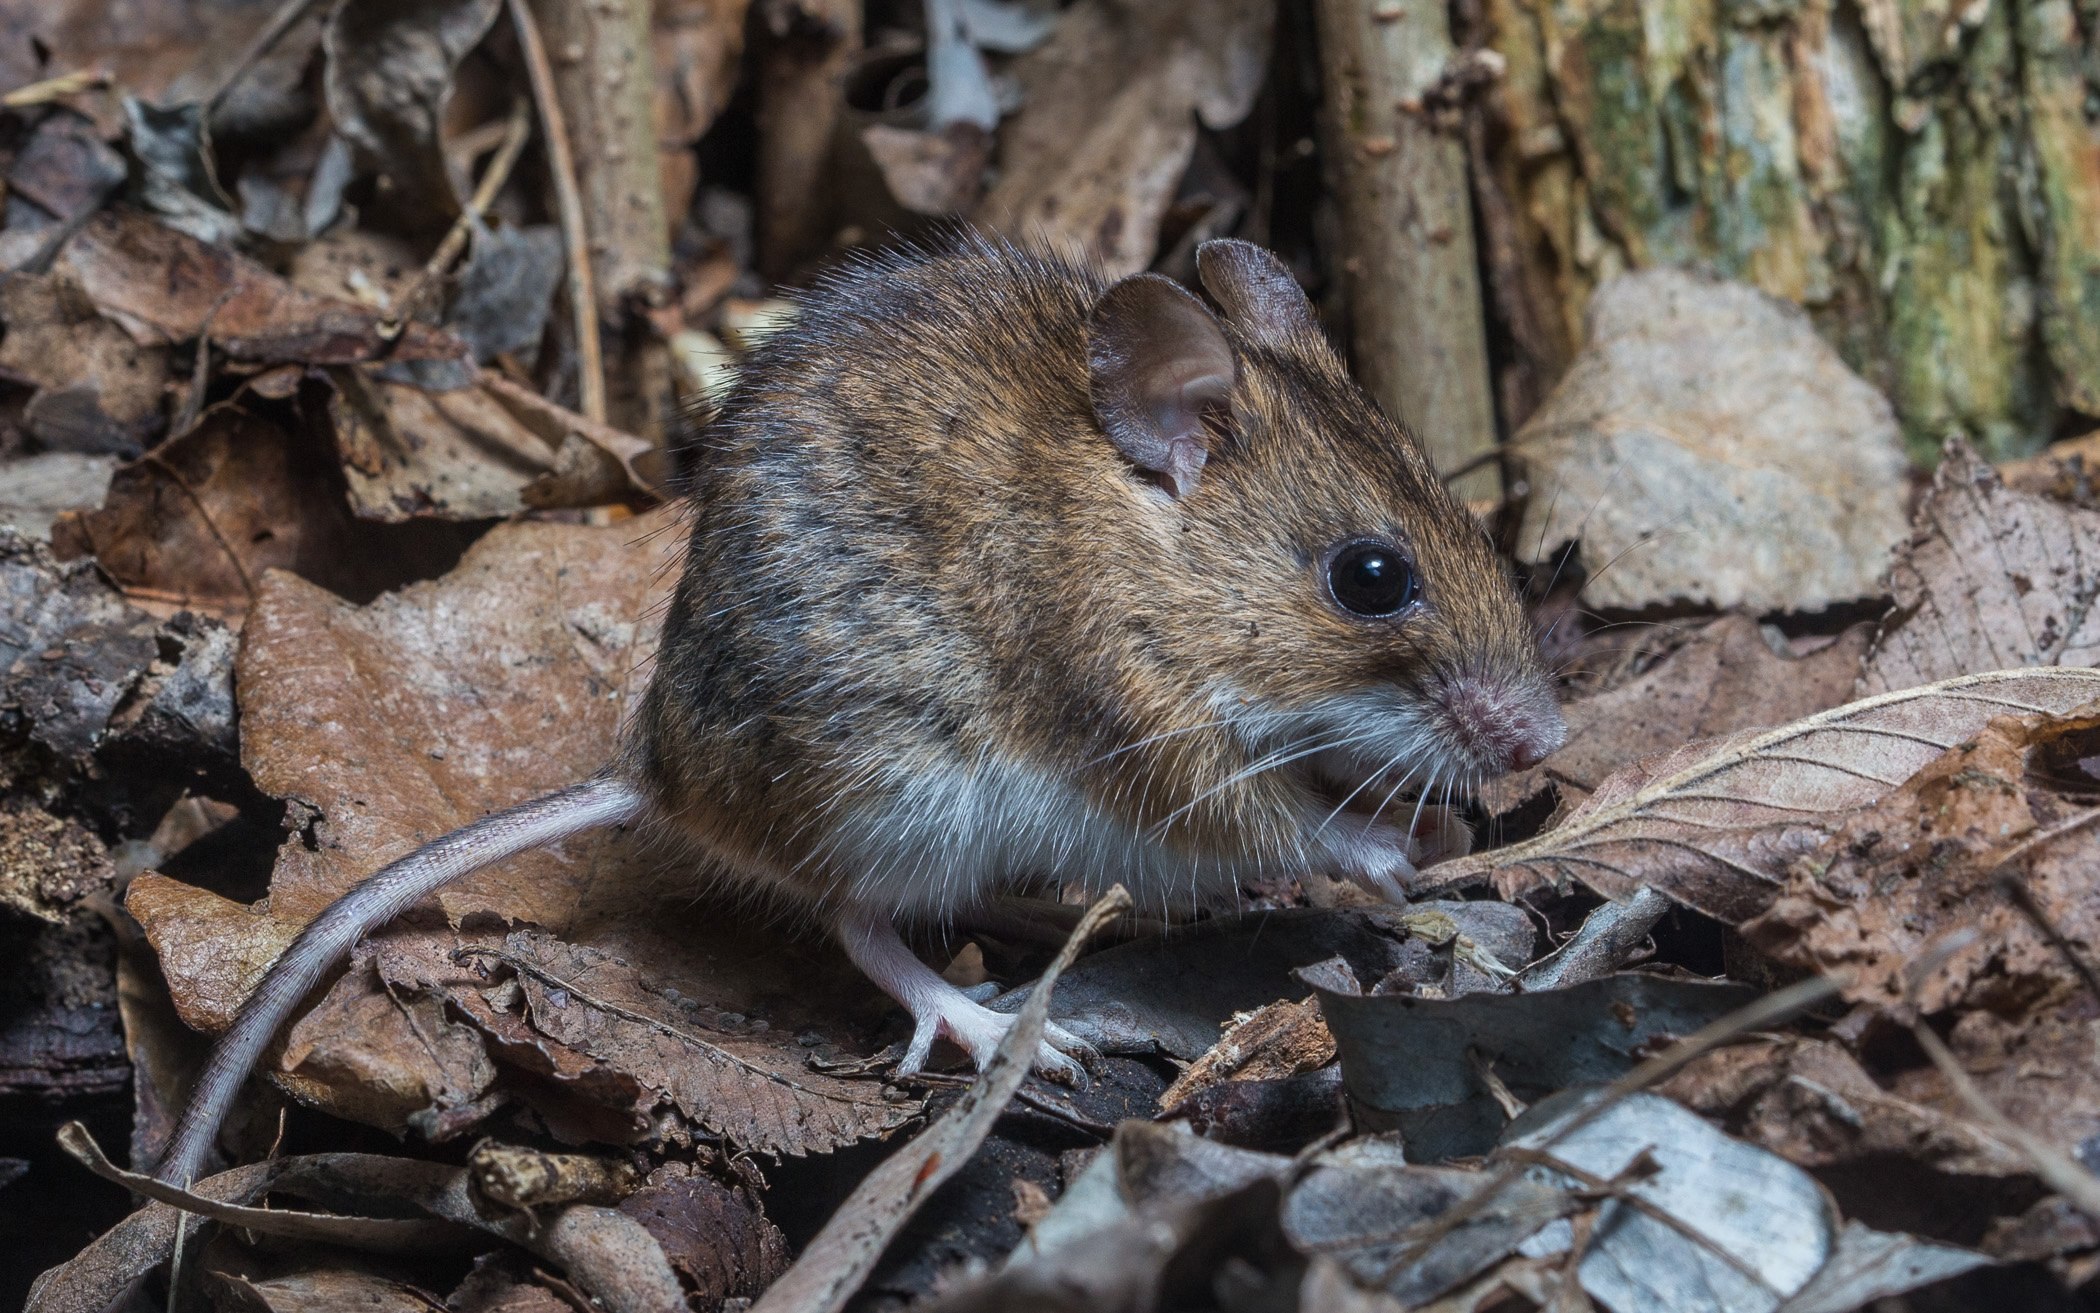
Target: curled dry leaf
(1109, 117)
(409, 452)
(164, 286)
(1714, 825)
(98, 391)
(1281, 1039)
(202, 518)
(388, 75)
(1707, 446)
(1990, 578)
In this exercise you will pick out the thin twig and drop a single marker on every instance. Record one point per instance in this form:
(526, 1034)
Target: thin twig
(561, 163)
(1767, 1011)
(56, 88)
(515, 133)
(2058, 1170)
(2023, 898)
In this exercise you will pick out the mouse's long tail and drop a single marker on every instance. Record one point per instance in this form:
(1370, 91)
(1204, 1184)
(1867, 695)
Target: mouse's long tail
(327, 939)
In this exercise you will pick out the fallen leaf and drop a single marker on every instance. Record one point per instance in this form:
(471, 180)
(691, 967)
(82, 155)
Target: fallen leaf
(321, 1292)
(715, 1239)
(1991, 578)
(1745, 1230)
(1714, 825)
(2061, 472)
(165, 287)
(99, 393)
(387, 76)
(1707, 447)
(408, 452)
(1110, 106)
(1407, 1061)
(201, 519)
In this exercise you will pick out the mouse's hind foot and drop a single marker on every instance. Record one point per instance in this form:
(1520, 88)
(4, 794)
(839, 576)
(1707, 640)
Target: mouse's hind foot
(940, 1009)
(977, 1030)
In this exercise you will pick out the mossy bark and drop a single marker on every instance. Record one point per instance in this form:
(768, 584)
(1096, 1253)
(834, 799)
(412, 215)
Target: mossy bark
(1922, 175)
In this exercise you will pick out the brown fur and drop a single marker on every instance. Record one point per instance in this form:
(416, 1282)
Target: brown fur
(914, 548)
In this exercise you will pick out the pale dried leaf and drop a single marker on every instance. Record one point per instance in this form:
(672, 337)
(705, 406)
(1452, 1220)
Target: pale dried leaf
(1109, 121)
(1713, 825)
(1708, 447)
(407, 452)
(1992, 578)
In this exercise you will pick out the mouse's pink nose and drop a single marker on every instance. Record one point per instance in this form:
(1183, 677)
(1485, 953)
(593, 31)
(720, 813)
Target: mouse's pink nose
(1527, 753)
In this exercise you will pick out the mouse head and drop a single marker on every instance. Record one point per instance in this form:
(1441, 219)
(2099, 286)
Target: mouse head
(1328, 597)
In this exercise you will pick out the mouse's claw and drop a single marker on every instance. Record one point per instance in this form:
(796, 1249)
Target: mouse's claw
(977, 1030)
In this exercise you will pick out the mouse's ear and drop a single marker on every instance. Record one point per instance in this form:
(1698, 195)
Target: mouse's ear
(1255, 289)
(1158, 363)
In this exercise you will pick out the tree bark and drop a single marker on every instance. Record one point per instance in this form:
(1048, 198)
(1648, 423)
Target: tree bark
(1409, 265)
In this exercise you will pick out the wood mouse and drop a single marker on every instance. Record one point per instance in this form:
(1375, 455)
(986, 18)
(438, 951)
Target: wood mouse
(999, 571)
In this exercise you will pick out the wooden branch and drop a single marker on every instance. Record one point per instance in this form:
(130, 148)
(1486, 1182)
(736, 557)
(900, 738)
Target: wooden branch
(1407, 228)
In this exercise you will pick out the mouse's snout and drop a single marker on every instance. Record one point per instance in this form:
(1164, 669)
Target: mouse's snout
(1503, 725)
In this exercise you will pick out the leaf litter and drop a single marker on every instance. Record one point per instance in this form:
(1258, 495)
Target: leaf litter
(289, 323)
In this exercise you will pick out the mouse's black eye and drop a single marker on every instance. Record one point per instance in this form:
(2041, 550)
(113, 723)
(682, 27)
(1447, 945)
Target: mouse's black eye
(1372, 578)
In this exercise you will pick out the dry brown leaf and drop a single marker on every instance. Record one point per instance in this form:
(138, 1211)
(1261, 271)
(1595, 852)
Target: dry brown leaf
(98, 391)
(1810, 1102)
(396, 722)
(751, 1085)
(1708, 447)
(716, 1239)
(2063, 471)
(1900, 877)
(1991, 578)
(1713, 825)
(1109, 121)
(326, 1290)
(409, 452)
(164, 286)
(1726, 678)
(201, 518)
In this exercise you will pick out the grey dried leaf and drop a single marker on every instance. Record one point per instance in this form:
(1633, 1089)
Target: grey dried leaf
(1108, 120)
(1409, 1062)
(1714, 824)
(1365, 1214)
(390, 69)
(1707, 446)
(1710, 1223)
(1990, 578)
